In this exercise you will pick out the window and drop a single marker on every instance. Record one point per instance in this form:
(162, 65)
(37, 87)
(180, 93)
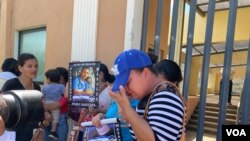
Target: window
(34, 41)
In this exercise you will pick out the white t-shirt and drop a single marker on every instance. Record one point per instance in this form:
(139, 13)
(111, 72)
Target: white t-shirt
(104, 99)
(7, 135)
(4, 76)
(7, 75)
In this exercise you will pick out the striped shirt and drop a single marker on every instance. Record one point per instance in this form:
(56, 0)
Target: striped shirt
(165, 115)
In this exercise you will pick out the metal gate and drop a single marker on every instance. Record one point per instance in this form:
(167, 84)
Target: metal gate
(244, 110)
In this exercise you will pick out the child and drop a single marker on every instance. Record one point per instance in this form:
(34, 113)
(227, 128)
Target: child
(52, 92)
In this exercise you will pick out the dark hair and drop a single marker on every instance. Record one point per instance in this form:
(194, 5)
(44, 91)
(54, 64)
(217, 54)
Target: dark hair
(24, 57)
(107, 76)
(10, 65)
(64, 73)
(170, 70)
(53, 75)
(150, 67)
(152, 57)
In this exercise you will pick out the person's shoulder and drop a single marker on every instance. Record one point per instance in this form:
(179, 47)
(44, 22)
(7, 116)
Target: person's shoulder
(104, 92)
(167, 95)
(57, 86)
(7, 75)
(11, 81)
(11, 84)
(61, 85)
(45, 87)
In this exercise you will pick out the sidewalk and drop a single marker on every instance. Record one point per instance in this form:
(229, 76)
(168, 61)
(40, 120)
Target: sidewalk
(214, 98)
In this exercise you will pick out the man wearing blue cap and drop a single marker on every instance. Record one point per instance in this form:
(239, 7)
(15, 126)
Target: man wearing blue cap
(159, 114)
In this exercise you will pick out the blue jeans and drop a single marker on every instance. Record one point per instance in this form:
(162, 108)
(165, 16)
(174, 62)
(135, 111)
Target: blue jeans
(62, 129)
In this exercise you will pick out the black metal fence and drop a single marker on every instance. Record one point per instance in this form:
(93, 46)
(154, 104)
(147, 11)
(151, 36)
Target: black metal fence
(245, 97)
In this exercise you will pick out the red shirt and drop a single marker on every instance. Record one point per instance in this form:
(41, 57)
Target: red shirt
(63, 105)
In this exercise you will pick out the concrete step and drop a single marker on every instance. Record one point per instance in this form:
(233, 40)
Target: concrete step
(206, 123)
(206, 129)
(216, 109)
(214, 119)
(211, 118)
(216, 114)
(217, 105)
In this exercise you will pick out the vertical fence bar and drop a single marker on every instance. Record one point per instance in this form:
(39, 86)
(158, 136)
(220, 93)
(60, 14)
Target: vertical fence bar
(158, 27)
(189, 48)
(205, 69)
(173, 29)
(245, 109)
(227, 66)
(145, 25)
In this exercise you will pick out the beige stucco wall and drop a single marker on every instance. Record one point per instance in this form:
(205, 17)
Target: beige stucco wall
(242, 32)
(239, 71)
(110, 30)
(214, 73)
(164, 25)
(5, 24)
(56, 15)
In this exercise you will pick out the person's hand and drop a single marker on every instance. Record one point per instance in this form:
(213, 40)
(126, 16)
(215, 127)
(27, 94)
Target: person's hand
(84, 112)
(93, 111)
(121, 98)
(122, 101)
(96, 120)
(66, 91)
(46, 121)
(2, 126)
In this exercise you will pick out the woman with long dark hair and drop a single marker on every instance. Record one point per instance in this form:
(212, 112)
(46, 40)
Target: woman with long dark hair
(28, 67)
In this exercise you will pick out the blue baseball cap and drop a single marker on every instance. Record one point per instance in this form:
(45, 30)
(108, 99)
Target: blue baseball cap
(127, 60)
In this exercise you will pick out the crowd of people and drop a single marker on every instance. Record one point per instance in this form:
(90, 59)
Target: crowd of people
(141, 93)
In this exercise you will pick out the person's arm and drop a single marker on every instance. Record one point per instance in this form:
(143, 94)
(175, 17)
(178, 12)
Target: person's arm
(7, 86)
(141, 128)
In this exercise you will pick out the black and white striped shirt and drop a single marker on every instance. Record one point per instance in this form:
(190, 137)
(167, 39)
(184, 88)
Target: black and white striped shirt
(165, 115)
